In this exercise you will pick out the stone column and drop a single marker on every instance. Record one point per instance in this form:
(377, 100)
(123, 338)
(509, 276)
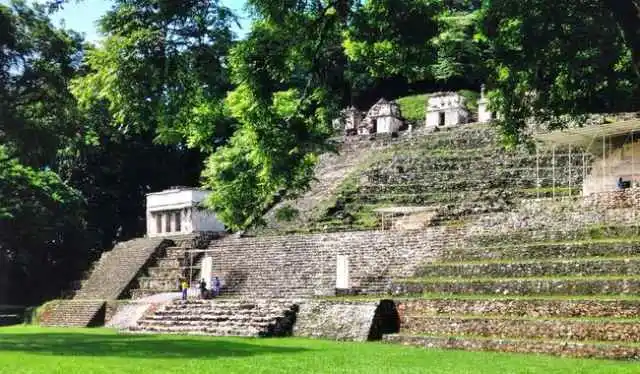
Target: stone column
(342, 272)
(206, 270)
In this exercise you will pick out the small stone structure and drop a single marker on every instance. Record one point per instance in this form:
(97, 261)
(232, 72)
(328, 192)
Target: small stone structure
(383, 117)
(176, 212)
(446, 109)
(348, 121)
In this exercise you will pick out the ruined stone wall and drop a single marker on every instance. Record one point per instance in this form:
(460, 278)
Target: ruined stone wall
(305, 265)
(337, 320)
(619, 199)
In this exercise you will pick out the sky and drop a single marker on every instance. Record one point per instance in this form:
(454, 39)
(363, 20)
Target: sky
(81, 16)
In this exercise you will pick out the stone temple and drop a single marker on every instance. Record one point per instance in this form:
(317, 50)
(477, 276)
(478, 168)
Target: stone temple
(440, 239)
(384, 117)
(177, 211)
(446, 109)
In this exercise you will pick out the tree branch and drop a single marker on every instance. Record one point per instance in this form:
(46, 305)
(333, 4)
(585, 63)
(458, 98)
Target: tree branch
(627, 16)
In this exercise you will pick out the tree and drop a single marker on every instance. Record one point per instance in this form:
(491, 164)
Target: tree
(552, 64)
(288, 87)
(37, 62)
(627, 16)
(41, 218)
(163, 68)
(392, 37)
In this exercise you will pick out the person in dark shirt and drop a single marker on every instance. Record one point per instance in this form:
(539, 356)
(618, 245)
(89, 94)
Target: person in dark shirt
(203, 289)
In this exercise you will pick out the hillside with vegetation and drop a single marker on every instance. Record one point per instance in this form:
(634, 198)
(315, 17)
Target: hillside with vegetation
(458, 175)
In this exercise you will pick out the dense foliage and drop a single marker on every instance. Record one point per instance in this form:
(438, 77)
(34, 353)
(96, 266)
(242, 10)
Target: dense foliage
(171, 97)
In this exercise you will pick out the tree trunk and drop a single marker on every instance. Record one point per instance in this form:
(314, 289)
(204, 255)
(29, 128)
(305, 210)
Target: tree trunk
(627, 16)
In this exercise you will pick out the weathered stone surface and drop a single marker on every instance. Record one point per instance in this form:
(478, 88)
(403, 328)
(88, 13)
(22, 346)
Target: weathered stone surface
(592, 266)
(575, 330)
(628, 198)
(549, 250)
(522, 308)
(335, 320)
(557, 348)
(521, 286)
(72, 313)
(118, 268)
(125, 314)
(305, 265)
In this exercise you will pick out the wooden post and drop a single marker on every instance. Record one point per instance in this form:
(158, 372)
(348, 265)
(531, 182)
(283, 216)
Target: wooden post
(570, 171)
(553, 171)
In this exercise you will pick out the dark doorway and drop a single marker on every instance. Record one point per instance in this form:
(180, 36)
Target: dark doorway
(386, 320)
(375, 126)
(441, 119)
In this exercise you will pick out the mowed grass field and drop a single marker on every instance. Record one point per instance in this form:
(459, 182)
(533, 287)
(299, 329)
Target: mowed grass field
(70, 351)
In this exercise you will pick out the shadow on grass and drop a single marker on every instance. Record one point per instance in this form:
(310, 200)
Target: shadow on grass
(135, 346)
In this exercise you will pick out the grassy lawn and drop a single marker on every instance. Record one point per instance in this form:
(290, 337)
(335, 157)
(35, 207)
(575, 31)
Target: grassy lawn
(69, 351)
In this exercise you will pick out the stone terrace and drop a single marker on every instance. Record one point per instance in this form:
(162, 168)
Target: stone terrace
(460, 173)
(571, 297)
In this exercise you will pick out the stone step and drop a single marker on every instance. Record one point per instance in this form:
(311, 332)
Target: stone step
(611, 330)
(599, 350)
(597, 307)
(550, 250)
(169, 263)
(164, 284)
(204, 323)
(199, 330)
(536, 268)
(166, 272)
(521, 286)
(159, 316)
(230, 317)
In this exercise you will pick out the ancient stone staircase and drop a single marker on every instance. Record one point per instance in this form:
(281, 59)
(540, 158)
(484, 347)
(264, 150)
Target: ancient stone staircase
(110, 278)
(568, 298)
(71, 313)
(121, 271)
(219, 317)
(330, 172)
(174, 263)
(117, 268)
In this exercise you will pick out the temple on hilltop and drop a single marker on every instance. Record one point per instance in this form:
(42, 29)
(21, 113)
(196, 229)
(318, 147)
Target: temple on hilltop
(442, 110)
(446, 109)
(384, 117)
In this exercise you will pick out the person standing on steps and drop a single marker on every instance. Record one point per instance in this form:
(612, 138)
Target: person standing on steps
(203, 289)
(184, 286)
(215, 287)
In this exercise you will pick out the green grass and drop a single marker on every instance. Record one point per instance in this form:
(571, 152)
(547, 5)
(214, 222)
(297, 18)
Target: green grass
(70, 351)
(413, 107)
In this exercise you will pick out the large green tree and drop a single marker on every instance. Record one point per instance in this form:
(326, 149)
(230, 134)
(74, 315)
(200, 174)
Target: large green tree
(162, 67)
(289, 84)
(41, 230)
(37, 62)
(41, 216)
(553, 64)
